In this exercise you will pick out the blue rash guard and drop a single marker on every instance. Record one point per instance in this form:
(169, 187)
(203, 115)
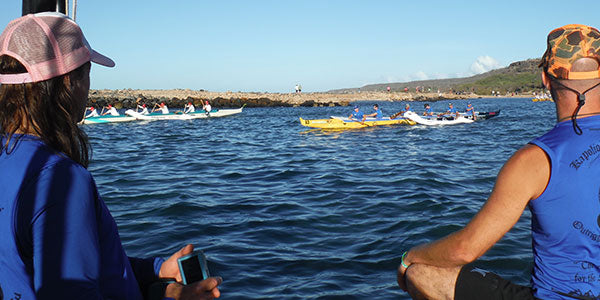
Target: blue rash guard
(565, 219)
(451, 110)
(357, 115)
(58, 239)
(469, 112)
(379, 115)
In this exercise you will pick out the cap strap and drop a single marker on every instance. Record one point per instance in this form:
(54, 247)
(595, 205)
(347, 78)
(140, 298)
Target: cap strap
(580, 103)
(15, 78)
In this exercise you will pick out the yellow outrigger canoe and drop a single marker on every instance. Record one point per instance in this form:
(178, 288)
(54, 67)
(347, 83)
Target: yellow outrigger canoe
(343, 123)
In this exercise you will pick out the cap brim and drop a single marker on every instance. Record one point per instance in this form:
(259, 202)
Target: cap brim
(101, 59)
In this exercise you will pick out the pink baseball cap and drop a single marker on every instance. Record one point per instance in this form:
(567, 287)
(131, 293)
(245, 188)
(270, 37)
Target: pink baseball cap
(48, 44)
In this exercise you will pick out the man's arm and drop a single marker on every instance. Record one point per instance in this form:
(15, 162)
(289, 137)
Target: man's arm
(522, 178)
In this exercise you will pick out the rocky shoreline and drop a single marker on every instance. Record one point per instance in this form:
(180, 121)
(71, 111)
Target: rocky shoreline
(177, 98)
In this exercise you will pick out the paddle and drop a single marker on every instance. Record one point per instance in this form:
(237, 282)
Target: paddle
(356, 120)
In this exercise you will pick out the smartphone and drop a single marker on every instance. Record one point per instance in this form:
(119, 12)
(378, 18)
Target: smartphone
(193, 267)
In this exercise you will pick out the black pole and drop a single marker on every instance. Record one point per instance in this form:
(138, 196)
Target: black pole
(36, 6)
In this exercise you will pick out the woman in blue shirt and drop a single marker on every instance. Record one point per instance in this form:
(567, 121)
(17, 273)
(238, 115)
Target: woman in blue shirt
(59, 241)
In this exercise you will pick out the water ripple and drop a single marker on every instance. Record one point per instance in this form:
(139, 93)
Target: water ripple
(283, 212)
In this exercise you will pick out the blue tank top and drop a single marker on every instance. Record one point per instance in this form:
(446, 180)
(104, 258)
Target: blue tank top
(469, 112)
(357, 115)
(379, 114)
(565, 220)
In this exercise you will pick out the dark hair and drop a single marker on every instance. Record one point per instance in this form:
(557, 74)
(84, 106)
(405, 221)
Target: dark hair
(376, 105)
(45, 109)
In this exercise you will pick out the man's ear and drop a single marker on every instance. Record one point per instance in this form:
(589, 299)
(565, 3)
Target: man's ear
(546, 80)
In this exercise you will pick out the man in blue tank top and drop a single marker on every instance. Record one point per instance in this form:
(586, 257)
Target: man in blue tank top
(356, 114)
(428, 111)
(556, 176)
(377, 114)
(470, 111)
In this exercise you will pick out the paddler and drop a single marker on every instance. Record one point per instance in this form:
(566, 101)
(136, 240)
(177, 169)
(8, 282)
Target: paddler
(207, 108)
(555, 176)
(402, 112)
(162, 107)
(93, 112)
(470, 111)
(111, 110)
(356, 114)
(377, 114)
(428, 110)
(451, 111)
(144, 109)
(189, 108)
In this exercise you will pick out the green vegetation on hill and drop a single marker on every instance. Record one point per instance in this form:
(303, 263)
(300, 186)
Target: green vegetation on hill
(518, 77)
(504, 83)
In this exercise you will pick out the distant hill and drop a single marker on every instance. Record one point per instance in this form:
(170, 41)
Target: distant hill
(520, 77)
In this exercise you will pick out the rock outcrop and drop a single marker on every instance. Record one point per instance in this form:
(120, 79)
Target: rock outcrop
(129, 98)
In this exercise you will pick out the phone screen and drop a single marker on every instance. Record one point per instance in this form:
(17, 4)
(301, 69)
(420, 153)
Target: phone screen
(193, 267)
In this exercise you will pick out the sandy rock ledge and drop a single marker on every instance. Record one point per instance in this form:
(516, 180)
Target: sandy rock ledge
(179, 97)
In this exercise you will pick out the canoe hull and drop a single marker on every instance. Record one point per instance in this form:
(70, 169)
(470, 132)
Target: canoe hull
(189, 116)
(461, 119)
(131, 115)
(107, 119)
(343, 123)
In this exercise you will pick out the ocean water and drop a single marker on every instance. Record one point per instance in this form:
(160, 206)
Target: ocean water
(285, 212)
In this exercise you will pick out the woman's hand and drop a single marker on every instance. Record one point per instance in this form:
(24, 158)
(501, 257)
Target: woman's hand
(201, 290)
(170, 268)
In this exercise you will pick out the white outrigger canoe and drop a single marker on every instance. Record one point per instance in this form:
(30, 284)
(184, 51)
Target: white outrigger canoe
(436, 120)
(449, 119)
(215, 113)
(131, 115)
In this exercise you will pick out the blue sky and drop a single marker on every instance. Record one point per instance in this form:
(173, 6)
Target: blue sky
(270, 46)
